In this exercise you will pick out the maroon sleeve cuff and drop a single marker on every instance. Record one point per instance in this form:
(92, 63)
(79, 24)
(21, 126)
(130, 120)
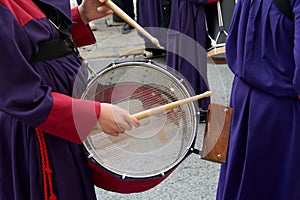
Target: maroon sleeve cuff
(81, 33)
(299, 97)
(71, 119)
(212, 1)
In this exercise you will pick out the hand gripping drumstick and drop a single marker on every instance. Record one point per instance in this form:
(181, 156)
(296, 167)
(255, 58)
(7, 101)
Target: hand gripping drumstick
(160, 109)
(130, 21)
(169, 106)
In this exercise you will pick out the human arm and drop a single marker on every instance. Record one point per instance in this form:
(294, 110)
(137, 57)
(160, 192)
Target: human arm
(73, 119)
(87, 11)
(114, 120)
(90, 10)
(25, 98)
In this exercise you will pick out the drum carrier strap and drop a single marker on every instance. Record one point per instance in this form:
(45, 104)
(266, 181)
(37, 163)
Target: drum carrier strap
(55, 48)
(285, 7)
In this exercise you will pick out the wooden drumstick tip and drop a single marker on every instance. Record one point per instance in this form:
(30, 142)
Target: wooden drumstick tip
(156, 43)
(160, 109)
(207, 93)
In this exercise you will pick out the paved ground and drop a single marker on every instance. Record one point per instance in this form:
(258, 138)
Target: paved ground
(194, 179)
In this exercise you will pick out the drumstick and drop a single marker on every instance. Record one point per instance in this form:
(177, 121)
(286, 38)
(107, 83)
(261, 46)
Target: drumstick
(169, 106)
(160, 109)
(130, 21)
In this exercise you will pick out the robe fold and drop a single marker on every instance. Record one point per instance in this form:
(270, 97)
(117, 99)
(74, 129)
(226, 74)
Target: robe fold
(186, 44)
(151, 17)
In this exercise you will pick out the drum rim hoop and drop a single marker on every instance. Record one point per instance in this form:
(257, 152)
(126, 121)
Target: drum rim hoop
(187, 90)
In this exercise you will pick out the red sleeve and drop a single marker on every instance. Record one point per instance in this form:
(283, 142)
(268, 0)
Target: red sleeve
(212, 1)
(82, 34)
(71, 119)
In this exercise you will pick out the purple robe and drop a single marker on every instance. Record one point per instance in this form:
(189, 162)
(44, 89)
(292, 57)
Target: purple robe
(150, 17)
(263, 48)
(25, 103)
(150, 14)
(186, 42)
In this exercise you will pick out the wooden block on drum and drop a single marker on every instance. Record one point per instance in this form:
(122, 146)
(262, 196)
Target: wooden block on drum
(216, 134)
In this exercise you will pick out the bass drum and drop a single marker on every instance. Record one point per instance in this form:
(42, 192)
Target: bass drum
(218, 19)
(143, 157)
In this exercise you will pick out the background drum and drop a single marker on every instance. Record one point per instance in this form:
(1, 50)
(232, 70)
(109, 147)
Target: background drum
(143, 157)
(218, 19)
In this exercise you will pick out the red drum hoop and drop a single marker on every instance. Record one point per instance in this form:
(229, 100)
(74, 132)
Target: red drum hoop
(142, 158)
(218, 19)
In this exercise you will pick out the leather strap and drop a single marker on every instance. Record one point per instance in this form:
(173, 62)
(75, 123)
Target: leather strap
(55, 48)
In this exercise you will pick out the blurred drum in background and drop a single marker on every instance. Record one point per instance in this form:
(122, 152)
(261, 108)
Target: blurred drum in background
(218, 19)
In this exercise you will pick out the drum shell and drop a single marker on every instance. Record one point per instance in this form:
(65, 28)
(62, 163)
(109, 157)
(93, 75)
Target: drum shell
(114, 182)
(214, 31)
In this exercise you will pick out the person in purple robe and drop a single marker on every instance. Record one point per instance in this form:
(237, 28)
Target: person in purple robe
(186, 46)
(42, 120)
(154, 17)
(262, 51)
